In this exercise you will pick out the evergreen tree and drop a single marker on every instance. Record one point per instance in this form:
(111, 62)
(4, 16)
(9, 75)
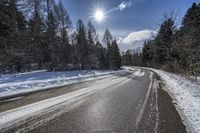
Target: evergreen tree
(52, 39)
(148, 53)
(115, 57)
(75, 53)
(178, 50)
(190, 42)
(91, 36)
(36, 27)
(5, 31)
(163, 42)
(101, 55)
(107, 38)
(12, 32)
(127, 58)
(38, 32)
(82, 45)
(64, 25)
(132, 57)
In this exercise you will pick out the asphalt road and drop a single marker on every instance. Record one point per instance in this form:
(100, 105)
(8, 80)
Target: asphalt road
(135, 105)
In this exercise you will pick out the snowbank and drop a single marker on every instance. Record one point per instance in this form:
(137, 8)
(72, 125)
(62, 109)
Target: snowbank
(32, 81)
(139, 73)
(187, 96)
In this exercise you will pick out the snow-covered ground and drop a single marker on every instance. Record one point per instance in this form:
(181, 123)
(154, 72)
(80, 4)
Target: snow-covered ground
(63, 102)
(187, 97)
(185, 92)
(32, 81)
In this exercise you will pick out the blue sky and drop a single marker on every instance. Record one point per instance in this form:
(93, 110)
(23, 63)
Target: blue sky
(142, 15)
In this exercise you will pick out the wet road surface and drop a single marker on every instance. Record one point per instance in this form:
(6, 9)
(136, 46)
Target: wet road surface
(136, 105)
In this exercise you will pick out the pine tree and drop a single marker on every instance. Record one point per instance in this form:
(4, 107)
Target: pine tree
(91, 36)
(101, 55)
(159, 52)
(163, 42)
(5, 31)
(148, 54)
(20, 48)
(82, 45)
(178, 50)
(127, 59)
(107, 38)
(36, 27)
(75, 51)
(12, 34)
(64, 25)
(191, 40)
(115, 57)
(52, 39)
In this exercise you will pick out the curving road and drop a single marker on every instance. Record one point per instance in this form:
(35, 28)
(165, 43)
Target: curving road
(125, 103)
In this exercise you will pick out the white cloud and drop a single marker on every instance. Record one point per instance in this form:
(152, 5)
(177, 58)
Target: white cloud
(121, 6)
(124, 5)
(135, 39)
(138, 36)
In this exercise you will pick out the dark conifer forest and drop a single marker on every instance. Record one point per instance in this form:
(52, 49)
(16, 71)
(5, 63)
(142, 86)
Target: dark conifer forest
(38, 34)
(174, 49)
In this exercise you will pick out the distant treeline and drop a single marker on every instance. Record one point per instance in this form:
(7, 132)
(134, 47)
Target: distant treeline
(173, 49)
(38, 34)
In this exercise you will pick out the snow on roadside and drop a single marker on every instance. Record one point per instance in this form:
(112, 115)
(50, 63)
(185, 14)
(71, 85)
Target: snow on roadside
(32, 81)
(11, 117)
(139, 73)
(187, 96)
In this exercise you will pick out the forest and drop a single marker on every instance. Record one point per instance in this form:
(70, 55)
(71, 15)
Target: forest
(38, 34)
(174, 49)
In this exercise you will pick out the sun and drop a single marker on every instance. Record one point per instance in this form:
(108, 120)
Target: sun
(99, 15)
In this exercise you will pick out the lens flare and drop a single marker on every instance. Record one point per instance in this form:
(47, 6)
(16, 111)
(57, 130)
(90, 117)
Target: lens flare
(99, 15)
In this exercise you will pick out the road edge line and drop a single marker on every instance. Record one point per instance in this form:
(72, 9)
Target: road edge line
(141, 111)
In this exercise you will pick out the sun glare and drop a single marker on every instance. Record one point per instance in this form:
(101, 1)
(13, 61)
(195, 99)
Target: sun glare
(99, 15)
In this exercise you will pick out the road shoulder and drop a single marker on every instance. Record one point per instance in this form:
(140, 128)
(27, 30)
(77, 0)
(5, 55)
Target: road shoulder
(160, 115)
